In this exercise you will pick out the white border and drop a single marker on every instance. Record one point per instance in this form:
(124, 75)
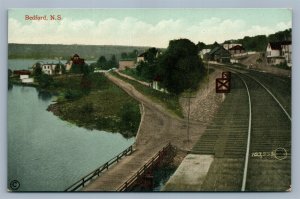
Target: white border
(294, 4)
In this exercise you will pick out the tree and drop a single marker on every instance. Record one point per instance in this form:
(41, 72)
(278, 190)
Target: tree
(101, 61)
(180, 67)
(86, 84)
(37, 70)
(45, 80)
(124, 55)
(201, 46)
(130, 118)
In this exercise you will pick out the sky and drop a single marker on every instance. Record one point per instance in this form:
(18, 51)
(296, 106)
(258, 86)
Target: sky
(143, 27)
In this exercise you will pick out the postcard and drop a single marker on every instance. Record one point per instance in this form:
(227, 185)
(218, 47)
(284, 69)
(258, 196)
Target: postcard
(144, 100)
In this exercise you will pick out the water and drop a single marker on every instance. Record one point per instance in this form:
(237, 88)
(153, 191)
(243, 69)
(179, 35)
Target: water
(46, 153)
(18, 64)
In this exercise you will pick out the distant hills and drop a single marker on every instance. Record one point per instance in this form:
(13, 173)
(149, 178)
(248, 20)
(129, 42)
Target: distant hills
(52, 51)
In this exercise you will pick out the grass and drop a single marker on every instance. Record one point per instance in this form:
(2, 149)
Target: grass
(132, 72)
(169, 101)
(99, 109)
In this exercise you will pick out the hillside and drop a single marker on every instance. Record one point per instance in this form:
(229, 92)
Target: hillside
(51, 51)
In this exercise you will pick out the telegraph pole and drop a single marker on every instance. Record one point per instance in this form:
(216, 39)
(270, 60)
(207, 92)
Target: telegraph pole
(188, 118)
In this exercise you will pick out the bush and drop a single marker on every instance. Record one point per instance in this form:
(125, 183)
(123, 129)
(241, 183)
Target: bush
(130, 117)
(45, 81)
(73, 94)
(87, 108)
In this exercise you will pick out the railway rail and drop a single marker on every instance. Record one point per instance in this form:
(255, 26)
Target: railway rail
(250, 138)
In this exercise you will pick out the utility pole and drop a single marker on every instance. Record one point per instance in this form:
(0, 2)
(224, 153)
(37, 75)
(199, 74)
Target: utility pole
(188, 118)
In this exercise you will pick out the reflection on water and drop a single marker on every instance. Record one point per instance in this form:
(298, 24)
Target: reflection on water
(44, 95)
(46, 153)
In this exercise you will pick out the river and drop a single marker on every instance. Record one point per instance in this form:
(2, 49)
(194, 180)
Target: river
(46, 153)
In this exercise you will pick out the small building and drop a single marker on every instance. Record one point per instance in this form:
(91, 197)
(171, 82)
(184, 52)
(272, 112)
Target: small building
(238, 49)
(156, 85)
(48, 69)
(231, 45)
(124, 64)
(141, 57)
(24, 76)
(74, 60)
(219, 54)
(21, 72)
(27, 80)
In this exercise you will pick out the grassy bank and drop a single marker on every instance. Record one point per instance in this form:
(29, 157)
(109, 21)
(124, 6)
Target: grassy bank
(104, 107)
(132, 72)
(170, 101)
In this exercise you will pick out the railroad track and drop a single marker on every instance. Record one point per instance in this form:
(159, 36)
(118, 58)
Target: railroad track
(250, 138)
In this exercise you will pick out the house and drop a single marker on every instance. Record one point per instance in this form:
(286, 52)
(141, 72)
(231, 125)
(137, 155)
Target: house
(74, 60)
(141, 57)
(203, 52)
(49, 69)
(124, 64)
(279, 52)
(219, 54)
(287, 52)
(238, 49)
(156, 85)
(21, 72)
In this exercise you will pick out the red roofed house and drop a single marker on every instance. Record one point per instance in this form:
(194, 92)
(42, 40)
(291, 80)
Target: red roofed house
(74, 60)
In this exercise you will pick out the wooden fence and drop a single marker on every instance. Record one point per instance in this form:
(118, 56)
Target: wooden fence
(142, 171)
(83, 181)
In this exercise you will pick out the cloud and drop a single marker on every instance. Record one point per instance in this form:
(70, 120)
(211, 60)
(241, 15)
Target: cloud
(132, 31)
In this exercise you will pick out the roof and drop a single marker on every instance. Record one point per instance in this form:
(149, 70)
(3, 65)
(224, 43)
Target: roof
(218, 50)
(142, 54)
(277, 45)
(237, 47)
(76, 55)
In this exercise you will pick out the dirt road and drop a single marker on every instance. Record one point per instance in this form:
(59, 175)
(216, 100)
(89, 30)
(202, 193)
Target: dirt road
(157, 128)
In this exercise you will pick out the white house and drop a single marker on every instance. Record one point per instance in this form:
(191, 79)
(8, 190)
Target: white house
(48, 68)
(141, 57)
(287, 52)
(279, 52)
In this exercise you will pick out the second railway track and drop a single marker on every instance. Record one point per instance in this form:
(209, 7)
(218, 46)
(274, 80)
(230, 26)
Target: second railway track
(269, 164)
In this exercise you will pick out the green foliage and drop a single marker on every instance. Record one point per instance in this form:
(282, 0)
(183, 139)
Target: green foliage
(87, 108)
(260, 42)
(103, 64)
(131, 55)
(285, 35)
(37, 70)
(86, 84)
(9, 72)
(180, 66)
(201, 46)
(283, 65)
(146, 70)
(102, 108)
(101, 61)
(71, 94)
(45, 81)
(169, 100)
(129, 115)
